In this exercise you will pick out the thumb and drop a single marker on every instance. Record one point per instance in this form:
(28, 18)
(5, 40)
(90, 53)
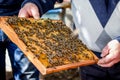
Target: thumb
(23, 13)
(35, 13)
(105, 51)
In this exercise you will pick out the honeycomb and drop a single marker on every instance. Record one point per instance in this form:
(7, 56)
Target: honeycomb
(50, 41)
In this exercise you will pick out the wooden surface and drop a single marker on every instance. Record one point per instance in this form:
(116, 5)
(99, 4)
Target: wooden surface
(14, 38)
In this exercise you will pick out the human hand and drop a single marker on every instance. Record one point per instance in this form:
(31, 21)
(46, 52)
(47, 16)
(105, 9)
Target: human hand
(110, 54)
(29, 10)
(66, 0)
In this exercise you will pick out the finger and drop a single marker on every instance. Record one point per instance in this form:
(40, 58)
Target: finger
(110, 64)
(23, 13)
(106, 59)
(105, 51)
(35, 13)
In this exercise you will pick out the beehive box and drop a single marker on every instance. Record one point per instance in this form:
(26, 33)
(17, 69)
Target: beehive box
(48, 44)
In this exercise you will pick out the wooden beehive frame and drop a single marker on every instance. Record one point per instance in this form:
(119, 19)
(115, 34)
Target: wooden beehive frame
(14, 38)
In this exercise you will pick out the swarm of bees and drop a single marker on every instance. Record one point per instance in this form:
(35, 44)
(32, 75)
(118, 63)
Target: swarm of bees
(50, 41)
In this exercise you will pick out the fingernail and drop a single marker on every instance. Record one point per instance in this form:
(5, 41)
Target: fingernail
(101, 55)
(36, 16)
